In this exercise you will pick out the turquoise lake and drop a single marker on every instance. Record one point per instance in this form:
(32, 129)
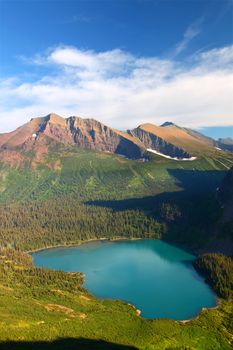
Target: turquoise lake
(156, 277)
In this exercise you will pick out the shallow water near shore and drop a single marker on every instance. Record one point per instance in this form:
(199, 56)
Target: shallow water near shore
(154, 276)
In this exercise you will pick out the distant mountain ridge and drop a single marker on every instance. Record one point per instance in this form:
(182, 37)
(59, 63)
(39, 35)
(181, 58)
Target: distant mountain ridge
(226, 141)
(168, 139)
(226, 144)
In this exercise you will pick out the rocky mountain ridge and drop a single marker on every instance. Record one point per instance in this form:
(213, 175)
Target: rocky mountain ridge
(168, 139)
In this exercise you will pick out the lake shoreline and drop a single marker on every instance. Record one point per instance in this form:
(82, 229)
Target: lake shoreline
(117, 239)
(204, 309)
(91, 240)
(113, 239)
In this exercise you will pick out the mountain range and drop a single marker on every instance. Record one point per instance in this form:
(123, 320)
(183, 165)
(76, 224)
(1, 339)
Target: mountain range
(168, 140)
(64, 181)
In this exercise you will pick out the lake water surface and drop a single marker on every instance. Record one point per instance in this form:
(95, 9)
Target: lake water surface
(156, 277)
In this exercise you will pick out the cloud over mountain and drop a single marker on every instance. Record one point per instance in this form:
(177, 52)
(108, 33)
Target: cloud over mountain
(122, 89)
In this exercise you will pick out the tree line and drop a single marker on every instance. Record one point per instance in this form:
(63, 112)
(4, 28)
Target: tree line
(218, 271)
(39, 224)
(17, 269)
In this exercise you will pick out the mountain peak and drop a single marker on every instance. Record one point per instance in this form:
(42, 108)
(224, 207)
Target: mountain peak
(168, 124)
(51, 117)
(55, 119)
(89, 133)
(146, 125)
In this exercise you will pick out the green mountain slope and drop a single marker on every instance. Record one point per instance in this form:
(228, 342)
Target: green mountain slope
(66, 181)
(97, 175)
(44, 309)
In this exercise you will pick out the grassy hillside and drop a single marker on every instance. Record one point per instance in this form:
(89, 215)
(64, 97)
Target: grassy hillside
(38, 306)
(89, 175)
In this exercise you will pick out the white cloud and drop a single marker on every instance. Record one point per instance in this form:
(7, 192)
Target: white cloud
(191, 32)
(106, 63)
(123, 90)
(218, 57)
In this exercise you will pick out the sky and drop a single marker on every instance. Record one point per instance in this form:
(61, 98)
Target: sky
(122, 62)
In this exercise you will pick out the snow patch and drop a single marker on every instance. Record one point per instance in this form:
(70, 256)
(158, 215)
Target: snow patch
(168, 157)
(219, 149)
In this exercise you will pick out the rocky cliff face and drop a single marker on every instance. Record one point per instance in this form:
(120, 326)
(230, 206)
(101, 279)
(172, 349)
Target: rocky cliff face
(152, 141)
(85, 133)
(167, 139)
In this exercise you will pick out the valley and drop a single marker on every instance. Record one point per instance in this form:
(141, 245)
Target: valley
(66, 181)
(116, 175)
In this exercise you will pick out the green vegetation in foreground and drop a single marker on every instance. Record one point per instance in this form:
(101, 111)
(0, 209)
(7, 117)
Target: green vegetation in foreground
(43, 305)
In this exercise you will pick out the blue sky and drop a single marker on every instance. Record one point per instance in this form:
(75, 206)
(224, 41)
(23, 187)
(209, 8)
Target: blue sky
(121, 62)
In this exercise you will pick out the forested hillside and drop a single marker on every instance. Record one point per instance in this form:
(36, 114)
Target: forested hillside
(218, 270)
(41, 224)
